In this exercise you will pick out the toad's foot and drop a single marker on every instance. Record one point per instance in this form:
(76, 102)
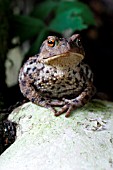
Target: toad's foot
(67, 107)
(79, 101)
(57, 103)
(54, 103)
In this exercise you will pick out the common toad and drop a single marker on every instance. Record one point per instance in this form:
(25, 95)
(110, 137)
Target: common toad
(57, 76)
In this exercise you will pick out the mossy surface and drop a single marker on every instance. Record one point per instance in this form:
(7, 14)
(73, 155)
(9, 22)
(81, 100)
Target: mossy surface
(84, 141)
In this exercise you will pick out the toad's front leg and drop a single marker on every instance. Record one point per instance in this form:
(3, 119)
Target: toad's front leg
(79, 101)
(30, 91)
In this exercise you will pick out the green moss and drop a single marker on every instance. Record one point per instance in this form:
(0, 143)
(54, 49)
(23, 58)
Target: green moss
(97, 106)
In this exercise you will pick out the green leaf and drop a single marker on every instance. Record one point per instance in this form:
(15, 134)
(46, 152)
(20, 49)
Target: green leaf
(88, 16)
(36, 45)
(26, 27)
(80, 8)
(66, 5)
(44, 9)
(67, 20)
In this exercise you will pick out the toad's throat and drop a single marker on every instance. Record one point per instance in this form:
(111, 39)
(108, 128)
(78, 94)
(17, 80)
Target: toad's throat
(66, 59)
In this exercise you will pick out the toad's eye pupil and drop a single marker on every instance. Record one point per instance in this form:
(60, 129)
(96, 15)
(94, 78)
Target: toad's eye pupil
(51, 43)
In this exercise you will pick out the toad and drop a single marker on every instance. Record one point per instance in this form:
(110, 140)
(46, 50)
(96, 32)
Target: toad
(57, 75)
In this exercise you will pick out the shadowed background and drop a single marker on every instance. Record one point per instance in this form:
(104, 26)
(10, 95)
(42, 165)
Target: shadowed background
(25, 24)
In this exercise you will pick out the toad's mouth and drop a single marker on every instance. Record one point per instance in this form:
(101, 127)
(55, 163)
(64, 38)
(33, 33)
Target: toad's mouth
(66, 59)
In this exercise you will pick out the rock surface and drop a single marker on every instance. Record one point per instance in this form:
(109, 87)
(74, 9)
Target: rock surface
(84, 141)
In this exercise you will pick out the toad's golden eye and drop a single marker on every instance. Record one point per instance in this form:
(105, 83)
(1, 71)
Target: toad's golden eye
(51, 42)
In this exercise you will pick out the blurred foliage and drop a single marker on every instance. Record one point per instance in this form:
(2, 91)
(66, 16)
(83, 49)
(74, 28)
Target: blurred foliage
(51, 16)
(47, 17)
(4, 36)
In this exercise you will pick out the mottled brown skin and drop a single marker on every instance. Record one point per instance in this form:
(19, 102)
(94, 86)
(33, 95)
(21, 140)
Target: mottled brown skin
(57, 76)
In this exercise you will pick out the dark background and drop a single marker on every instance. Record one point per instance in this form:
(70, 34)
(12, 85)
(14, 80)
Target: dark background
(97, 41)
